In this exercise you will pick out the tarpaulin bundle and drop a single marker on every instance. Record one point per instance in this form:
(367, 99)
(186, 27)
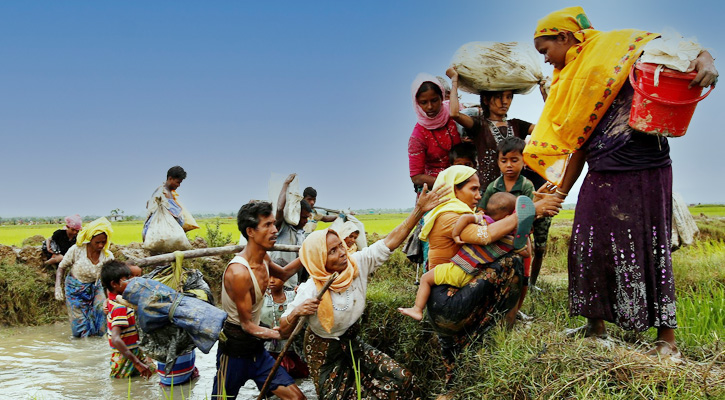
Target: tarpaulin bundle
(160, 306)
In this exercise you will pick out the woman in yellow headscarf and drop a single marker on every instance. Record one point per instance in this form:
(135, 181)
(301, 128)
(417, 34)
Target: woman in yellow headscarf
(84, 294)
(620, 267)
(460, 314)
(331, 335)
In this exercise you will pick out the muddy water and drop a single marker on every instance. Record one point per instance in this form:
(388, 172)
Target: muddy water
(46, 362)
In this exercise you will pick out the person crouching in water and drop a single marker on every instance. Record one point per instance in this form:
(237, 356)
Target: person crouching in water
(127, 359)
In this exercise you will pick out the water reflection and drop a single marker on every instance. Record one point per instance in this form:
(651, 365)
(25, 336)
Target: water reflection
(46, 362)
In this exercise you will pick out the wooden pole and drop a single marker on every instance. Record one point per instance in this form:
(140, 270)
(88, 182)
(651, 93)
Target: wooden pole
(300, 323)
(212, 251)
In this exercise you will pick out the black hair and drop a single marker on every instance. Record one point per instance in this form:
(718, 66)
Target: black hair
(426, 86)
(305, 205)
(511, 144)
(176, 172)
(501, 202)
(309, 192)
(463, 150)
(486, 97)
(112, 271)
(248, 216)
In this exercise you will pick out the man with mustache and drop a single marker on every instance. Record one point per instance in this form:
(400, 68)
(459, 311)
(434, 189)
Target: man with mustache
(241, 355)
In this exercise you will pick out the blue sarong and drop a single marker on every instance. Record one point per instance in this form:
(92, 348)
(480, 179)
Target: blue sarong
(85, 307)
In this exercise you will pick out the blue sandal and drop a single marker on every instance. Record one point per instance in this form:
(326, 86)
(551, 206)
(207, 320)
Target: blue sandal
(526, 212)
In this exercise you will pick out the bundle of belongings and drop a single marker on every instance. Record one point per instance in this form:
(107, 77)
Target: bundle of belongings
(173, 322)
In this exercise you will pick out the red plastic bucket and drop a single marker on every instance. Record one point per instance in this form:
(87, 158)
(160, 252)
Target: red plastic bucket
(664, 108)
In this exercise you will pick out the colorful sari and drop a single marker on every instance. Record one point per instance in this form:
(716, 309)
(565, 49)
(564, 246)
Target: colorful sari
(85, 307)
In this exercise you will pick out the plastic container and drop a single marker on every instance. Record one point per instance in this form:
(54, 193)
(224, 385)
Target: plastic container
(662, 103)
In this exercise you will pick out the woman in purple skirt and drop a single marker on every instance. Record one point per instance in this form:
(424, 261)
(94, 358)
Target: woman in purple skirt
(620, 267)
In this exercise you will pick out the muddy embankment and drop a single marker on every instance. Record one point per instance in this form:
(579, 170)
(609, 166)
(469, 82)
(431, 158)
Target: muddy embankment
(27, 285)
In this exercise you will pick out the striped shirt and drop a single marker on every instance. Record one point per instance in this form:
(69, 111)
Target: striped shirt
(123, 317)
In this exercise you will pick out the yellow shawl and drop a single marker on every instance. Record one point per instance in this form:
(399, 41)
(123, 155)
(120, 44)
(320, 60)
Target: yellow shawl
(101, 225)
(581, 92)
(313, 255)
(450, 177)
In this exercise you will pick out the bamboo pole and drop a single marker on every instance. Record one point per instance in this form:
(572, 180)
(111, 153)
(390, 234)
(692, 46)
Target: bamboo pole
(196, 253)
(300, 323)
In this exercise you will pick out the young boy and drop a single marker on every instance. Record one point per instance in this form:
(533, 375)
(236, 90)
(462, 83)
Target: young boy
(467, 263)
(511, 162)
(127, 359)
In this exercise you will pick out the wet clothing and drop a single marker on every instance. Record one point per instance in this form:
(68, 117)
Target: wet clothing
(84, 302)
(234, 372)
(485, 139)
(183, 370)
(620, 265)
(124, 318)
(327, 353)
(242, 356)
(331, 369)
(461, 315)
(122, 367)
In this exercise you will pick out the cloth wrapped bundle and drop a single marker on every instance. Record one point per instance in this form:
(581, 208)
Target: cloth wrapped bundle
(159, 306)
(493, 66)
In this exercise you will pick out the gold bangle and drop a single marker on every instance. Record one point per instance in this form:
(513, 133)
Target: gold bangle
(286, 317)
(561, 193)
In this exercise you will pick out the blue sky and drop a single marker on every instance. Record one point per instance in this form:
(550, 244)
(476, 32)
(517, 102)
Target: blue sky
(99, 99)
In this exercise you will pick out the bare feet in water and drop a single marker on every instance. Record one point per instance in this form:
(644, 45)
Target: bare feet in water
(412, 312)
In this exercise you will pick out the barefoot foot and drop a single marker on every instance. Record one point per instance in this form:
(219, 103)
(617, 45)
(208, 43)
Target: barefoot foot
(412, 312)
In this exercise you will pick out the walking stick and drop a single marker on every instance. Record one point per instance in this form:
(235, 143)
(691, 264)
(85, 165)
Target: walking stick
(300, 322)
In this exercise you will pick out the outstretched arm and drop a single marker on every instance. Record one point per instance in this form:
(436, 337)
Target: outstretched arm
(282, 201)
(285, 272)
(426, 201)
(463, 119)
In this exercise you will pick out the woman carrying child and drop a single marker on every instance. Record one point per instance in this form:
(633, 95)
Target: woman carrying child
(460, 314)
(486, 131)
(620, 266)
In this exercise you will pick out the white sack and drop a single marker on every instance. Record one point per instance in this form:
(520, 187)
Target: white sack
(684, 228)
(292, 206)
(164, 234)
(494, 66)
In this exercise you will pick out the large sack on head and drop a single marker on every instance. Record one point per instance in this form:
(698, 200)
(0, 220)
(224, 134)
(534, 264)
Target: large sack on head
(164, 234)
(292, 207)
(495, 66)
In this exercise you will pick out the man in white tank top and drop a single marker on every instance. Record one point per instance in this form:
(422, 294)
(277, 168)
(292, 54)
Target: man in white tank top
(242, 355)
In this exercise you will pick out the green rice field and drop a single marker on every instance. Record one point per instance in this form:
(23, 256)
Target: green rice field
(130, 231)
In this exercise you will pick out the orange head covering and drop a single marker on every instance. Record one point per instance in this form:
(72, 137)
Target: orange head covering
(313, 255)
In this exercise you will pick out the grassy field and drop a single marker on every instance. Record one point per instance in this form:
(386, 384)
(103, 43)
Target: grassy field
(130, 231)
(533, 361)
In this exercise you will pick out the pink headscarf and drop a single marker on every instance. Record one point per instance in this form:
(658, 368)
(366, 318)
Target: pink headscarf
(74, 222)
(423, 119)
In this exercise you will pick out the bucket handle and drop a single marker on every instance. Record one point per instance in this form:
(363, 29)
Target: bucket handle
(661, 100)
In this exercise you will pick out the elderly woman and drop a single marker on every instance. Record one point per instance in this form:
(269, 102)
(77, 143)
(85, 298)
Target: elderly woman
(55, 247)
(84, 296)
(333, 324)
(433, 135)
(620, 266)
(460, 315)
